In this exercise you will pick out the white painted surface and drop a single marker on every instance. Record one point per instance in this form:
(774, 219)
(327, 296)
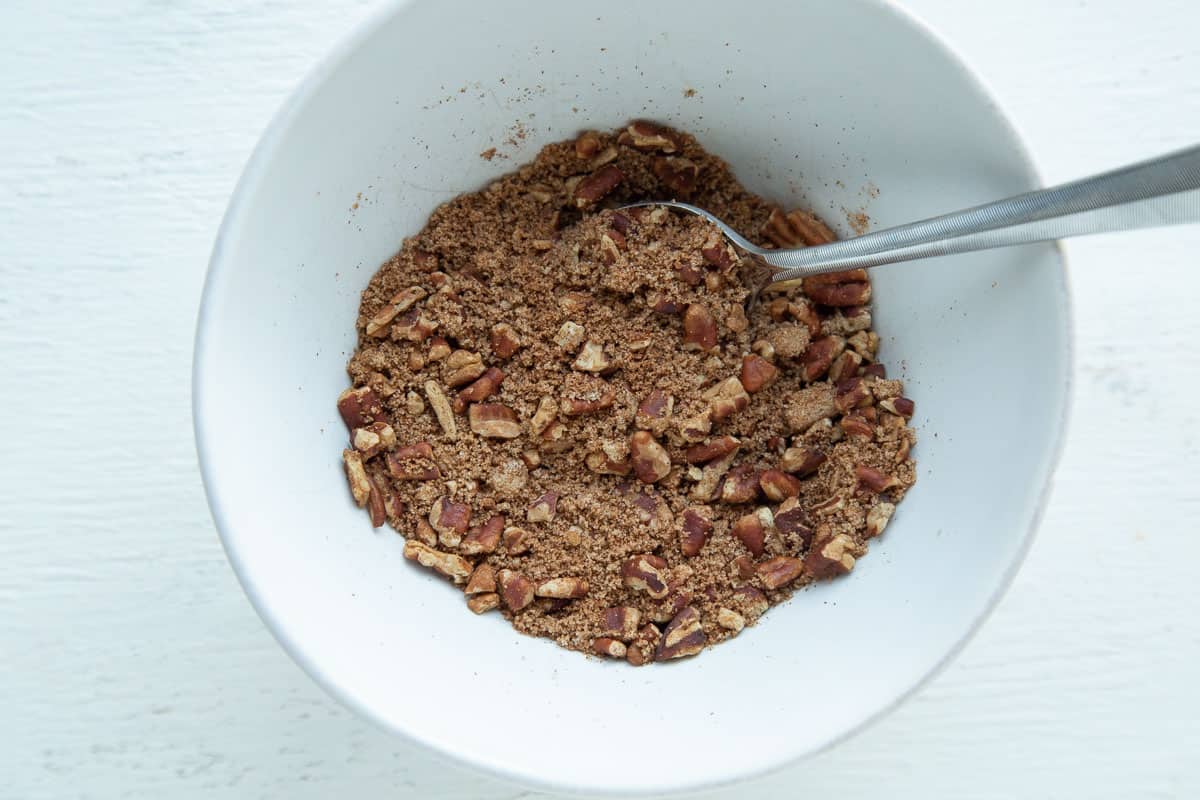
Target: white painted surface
(131, 664)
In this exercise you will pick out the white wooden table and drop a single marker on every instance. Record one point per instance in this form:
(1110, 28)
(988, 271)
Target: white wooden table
(131, 665)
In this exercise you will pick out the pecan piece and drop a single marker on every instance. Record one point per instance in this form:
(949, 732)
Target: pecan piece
(571, 588)
(360, 407)
(450, 520)
(494, 421)
(801, 461)
(654, 411)
(650, 460)
(856, 426)
(750, 601)
(641, 650)
(750, 532)
(646, 573)
(677, 174)
(484, 387)
(831, 557)
(377, 326)
(621, 622)
(845, 366)
(788, 340)
(515, 590)
(591, 358)
(779, 571)
(850, 288)
(741, 485)
(587, 144)
(646, 135)
(413, 462)
(699, 328)
(516, 540)
(695, 526)
(356, 476)
(757, 373)
(373, 439)
(878, 517)
(797, 228)
(900, 406)
(456, 568)
(606, 646)
(718, 447)
(730, 620)
(543, 508)
(504, 340)
(594, 187)
(819, 355)
(726, 398)
(792, 522)
(874, 480)
(777, 485)
(683, 636)
(482, 603)
(852, 393)
(441, 409)
(485, 538)
(483, 580)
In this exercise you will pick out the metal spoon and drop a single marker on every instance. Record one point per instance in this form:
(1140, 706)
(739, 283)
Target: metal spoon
(1161, 191)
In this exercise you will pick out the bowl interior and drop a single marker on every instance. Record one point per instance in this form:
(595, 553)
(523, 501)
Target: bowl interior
(844, 107)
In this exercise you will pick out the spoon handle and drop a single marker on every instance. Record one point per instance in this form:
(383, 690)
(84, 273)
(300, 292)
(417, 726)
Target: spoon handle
(1161, 191)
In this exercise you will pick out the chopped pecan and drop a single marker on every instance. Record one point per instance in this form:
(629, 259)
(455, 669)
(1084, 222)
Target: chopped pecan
(587, 144)
(504, 340)
(515, 590)
(792, 522)
(819, 355)
(606, 646)
(646, 573)
(494, 421)
(456, 568)
(750, 601)
(706, 488)
(677, 174)
(779, 571)
(450, 520)
(730, 620)
(484, 387)
(777, 485)
(373, 439)
(850, 288)
(874, 480)
(801, 461)
(878, 517)
(757, 373)
(356, 476)
(856, 426)
(845, 366)
(641, 650)
(441, 409)
(831, 557)
(654, 411)
(485, 538)
(377, 326)
(646, 135)
(900, 406)
(591, 358)
(695, 429)
(741, 485)
(481, 603)
(413, 462)
(796, 229)
(717, 447)
(360, 407)
(695, 526)
(516, 541)
(750, 532)
(594, 187)
(621, 622)
(543, 508)
(683, 636)
(483, 580)
(570, 588)
(726, 398)
(788, 340)
(650, 460)
(699, 328)
(852, 393)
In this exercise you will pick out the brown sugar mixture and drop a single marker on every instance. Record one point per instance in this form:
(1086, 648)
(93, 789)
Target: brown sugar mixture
(567, 412)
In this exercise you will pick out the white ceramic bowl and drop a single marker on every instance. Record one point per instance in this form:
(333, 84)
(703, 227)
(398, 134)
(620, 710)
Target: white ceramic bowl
(834, 105)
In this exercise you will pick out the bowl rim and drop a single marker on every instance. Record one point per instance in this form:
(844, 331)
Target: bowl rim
(251, 176)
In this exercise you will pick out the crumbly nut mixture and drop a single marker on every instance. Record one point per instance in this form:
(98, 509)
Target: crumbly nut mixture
(568, 414)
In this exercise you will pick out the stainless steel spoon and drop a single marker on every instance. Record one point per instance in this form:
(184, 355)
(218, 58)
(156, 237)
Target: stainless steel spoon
(1161, 191)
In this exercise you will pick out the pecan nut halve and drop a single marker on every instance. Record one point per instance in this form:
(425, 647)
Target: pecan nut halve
(683, 636)
(797, 228)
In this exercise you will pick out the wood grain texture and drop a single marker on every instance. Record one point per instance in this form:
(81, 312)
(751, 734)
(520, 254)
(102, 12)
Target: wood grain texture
(134, 667)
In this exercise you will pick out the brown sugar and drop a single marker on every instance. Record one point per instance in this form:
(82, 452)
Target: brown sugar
(567, 411)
